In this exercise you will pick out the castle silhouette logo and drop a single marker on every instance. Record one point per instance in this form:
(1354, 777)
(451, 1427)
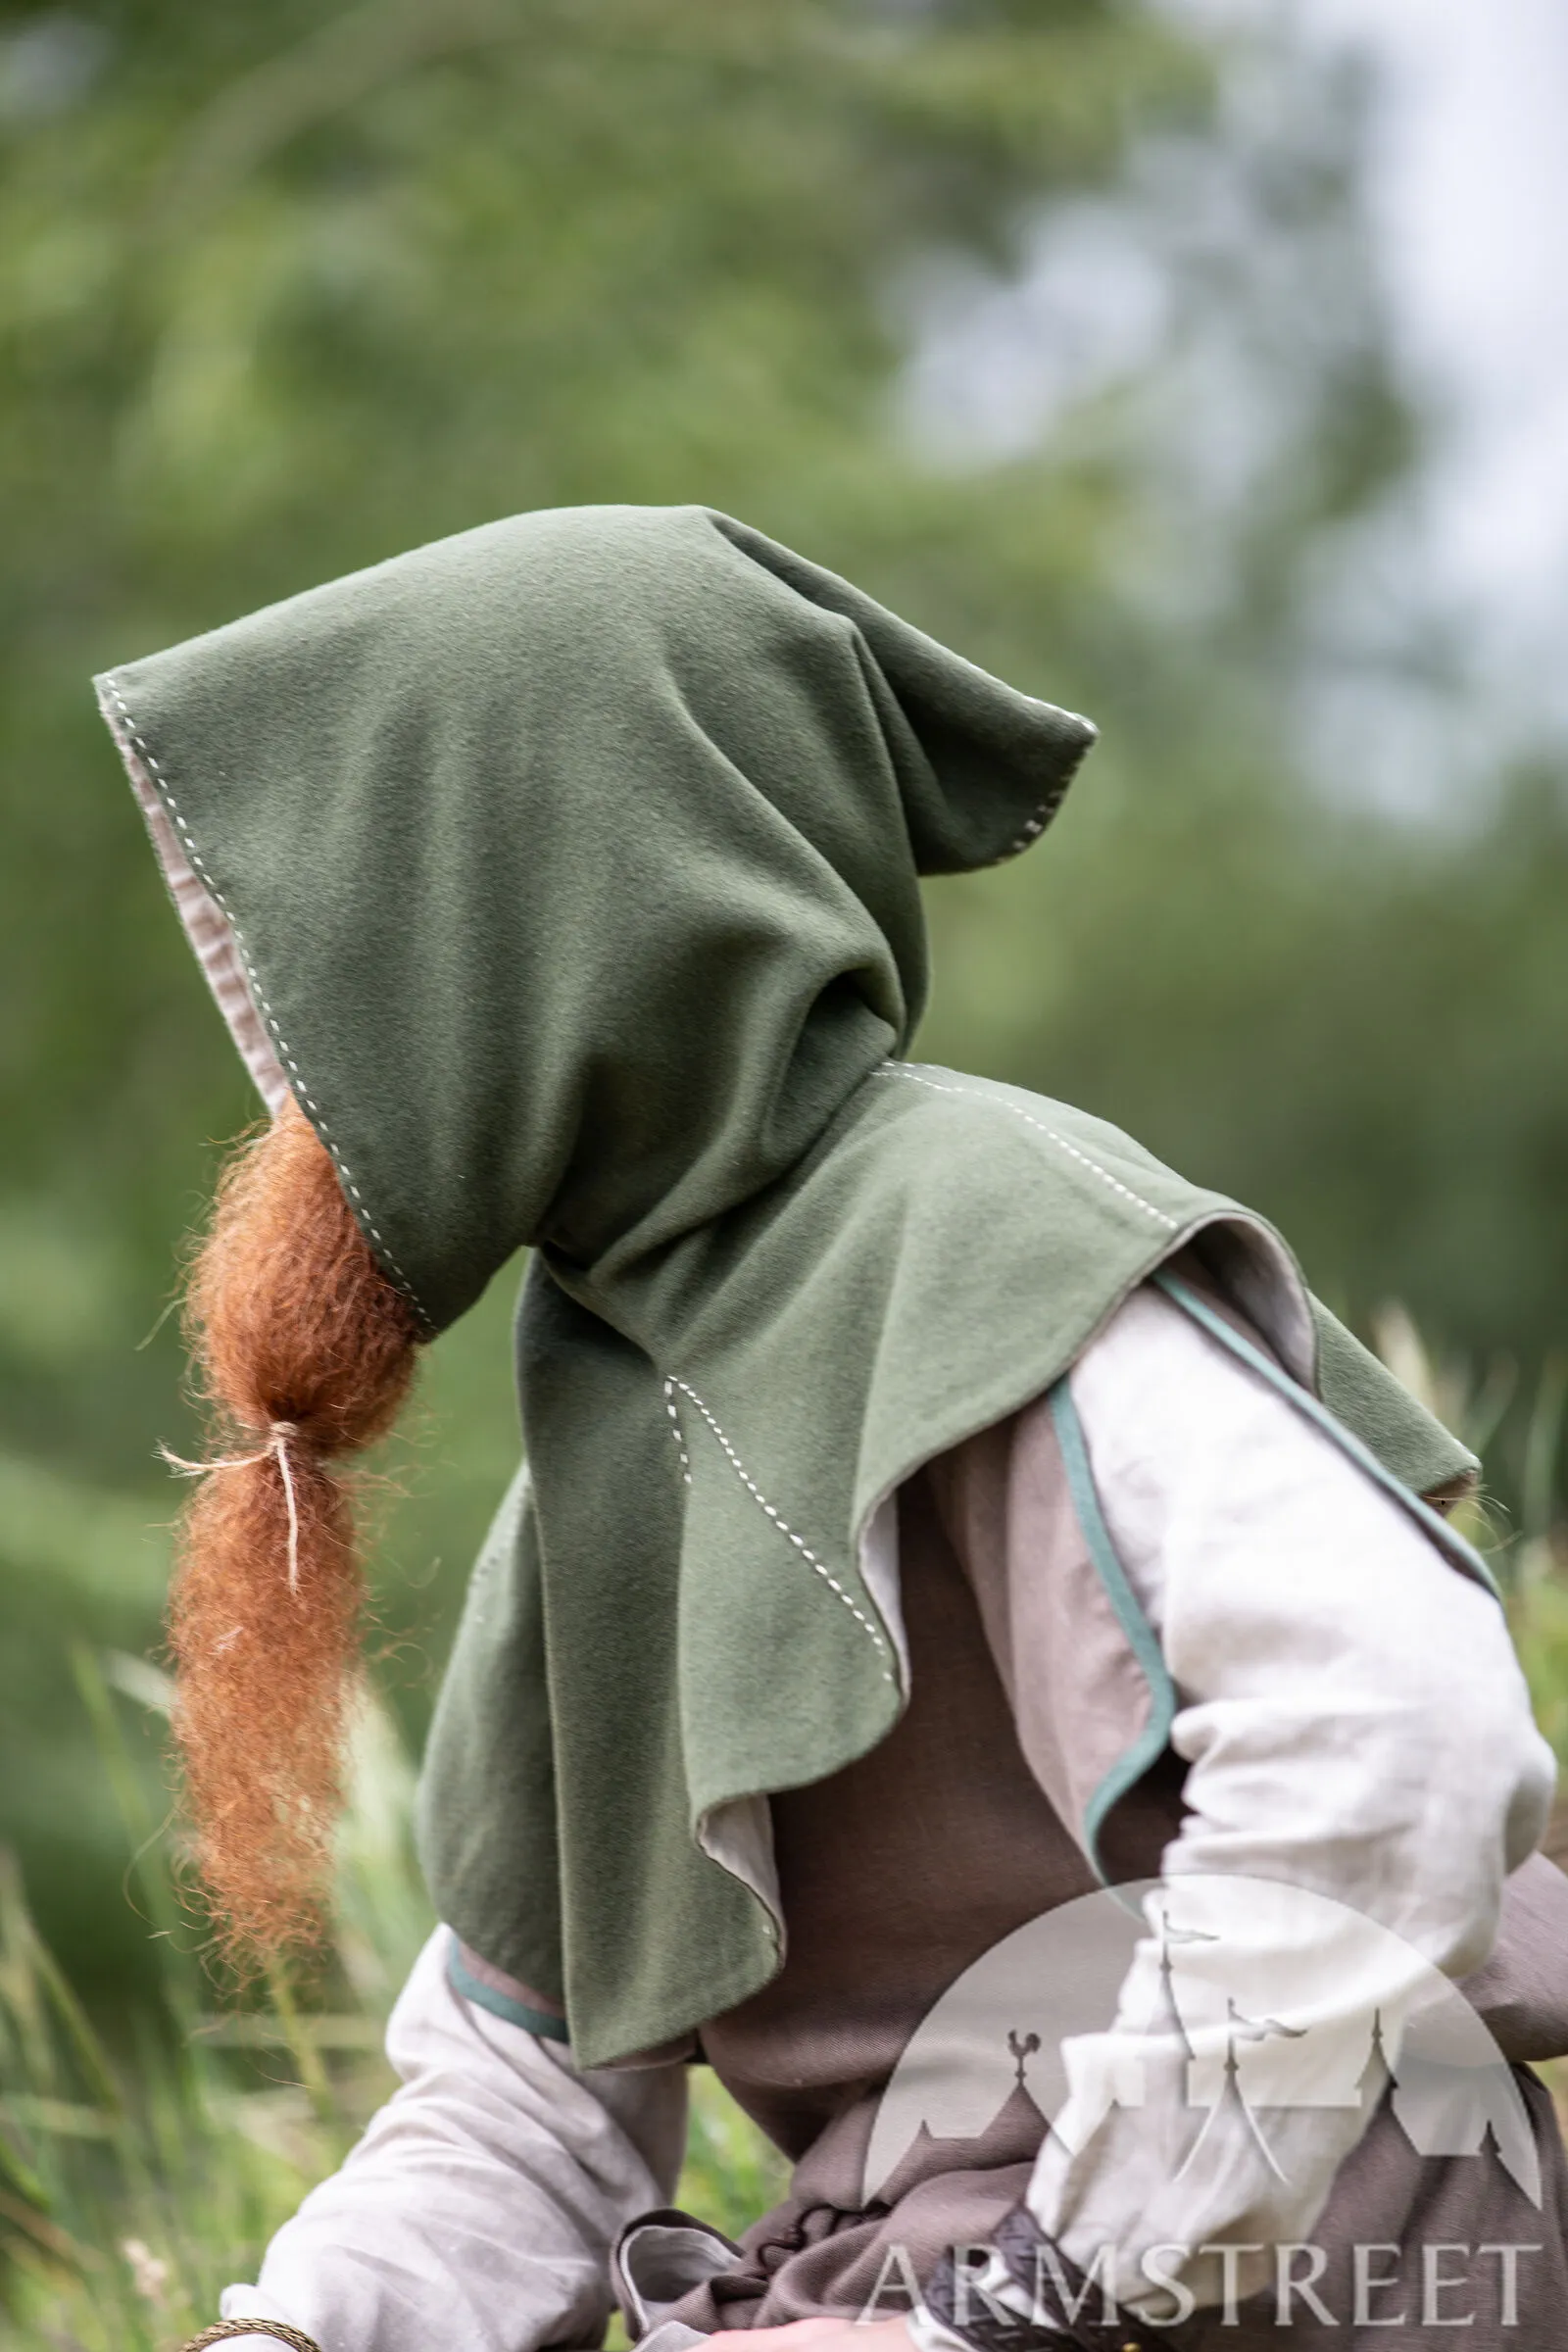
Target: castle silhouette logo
(1205, 2020)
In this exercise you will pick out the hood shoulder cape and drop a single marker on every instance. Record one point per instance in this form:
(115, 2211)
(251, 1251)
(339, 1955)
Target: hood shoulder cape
(566, 874)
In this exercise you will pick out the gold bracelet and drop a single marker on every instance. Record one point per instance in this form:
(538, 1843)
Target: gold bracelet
(222, 2330)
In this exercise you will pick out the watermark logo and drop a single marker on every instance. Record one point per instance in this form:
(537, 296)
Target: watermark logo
(1203, 2053)
(1199, 1997)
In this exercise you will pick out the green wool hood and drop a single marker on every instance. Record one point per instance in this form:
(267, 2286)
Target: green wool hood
(568, 875)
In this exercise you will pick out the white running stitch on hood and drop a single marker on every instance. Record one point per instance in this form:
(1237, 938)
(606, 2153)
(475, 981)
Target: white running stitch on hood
(890, 1069)
(166, 794)
(672, 1410)
(783, 1526)
(1053, 799)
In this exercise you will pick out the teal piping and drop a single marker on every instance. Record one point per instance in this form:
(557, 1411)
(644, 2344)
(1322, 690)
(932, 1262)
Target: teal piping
(1153, 1741)
(500, 2004)
(1463, 1555)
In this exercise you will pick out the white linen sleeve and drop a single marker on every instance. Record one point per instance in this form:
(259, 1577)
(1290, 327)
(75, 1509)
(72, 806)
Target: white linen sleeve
(1356, 1725)
(480, 2207)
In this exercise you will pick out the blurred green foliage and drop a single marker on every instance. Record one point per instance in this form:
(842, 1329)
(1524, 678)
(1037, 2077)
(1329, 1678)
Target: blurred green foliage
(283, 291)
(136, 2184)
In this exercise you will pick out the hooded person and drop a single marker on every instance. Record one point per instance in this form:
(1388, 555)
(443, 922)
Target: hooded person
(936, 1511)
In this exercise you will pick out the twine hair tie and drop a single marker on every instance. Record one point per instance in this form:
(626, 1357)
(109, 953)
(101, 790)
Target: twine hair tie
(278, 1435)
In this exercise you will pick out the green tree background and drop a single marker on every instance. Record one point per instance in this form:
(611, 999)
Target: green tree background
(283, 291)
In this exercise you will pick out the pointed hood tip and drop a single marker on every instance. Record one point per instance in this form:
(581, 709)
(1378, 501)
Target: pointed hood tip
(528, 842)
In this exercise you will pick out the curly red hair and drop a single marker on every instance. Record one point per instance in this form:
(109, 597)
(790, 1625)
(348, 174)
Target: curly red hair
(304, 1350)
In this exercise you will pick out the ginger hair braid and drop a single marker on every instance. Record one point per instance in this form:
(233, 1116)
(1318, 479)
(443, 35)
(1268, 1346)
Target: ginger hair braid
(305, 1351)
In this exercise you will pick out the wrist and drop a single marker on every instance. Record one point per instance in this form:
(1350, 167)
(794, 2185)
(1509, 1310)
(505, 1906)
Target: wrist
(252, 2334)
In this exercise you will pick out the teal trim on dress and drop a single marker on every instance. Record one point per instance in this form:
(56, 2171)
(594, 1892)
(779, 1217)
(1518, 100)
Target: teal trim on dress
(501, 2004)
(1463, 1555)
(1153, 1741)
